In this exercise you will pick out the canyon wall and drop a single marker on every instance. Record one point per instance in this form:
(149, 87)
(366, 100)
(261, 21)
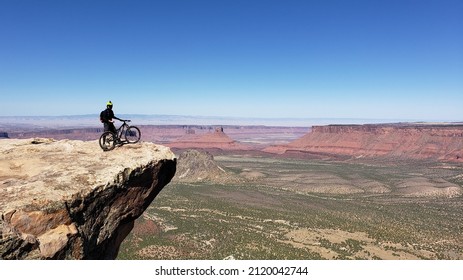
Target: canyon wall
(399, 141)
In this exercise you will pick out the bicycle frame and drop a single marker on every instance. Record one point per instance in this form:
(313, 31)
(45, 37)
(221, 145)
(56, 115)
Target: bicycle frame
(119, 132)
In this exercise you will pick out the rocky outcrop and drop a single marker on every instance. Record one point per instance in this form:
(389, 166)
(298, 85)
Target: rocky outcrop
(212, 140)
(4, 135)
(70, 200)
(399, 141)
(198, 166)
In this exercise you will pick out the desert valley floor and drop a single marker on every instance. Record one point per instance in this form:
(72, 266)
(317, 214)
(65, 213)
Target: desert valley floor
(266, 207)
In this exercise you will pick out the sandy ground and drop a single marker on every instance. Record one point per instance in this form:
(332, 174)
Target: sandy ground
(332, 243)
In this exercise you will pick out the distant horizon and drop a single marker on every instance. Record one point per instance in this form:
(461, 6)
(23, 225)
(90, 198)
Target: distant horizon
(91, 120)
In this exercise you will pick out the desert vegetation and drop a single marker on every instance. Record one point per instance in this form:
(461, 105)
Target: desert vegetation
(307, 209)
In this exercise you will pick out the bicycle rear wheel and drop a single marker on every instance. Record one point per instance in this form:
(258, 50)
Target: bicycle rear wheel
(107, 141)
(132, 134)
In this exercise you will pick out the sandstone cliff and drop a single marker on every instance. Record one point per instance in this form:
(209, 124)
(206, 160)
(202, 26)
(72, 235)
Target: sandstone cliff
(70, 200)
(398, 141)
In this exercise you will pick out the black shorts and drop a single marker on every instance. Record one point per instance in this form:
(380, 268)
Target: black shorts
(109, 127)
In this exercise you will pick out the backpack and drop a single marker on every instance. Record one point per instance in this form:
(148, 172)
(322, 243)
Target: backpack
(103, 117)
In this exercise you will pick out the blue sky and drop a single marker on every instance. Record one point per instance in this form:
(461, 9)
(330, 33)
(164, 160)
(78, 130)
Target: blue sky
(265, 59)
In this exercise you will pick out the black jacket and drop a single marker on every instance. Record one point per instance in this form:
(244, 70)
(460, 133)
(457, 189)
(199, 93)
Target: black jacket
(108, 114)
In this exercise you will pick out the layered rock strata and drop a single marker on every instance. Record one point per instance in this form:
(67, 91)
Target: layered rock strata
(399, 141)
(70, 200)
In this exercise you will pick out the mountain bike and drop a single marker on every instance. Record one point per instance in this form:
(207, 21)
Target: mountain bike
(125, 134)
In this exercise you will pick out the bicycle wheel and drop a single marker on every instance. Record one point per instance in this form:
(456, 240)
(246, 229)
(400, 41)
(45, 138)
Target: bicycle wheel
(132, 134)
(107, 141)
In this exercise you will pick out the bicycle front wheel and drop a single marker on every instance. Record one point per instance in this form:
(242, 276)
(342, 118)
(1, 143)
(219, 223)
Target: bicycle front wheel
(107, 141)
(132, 134)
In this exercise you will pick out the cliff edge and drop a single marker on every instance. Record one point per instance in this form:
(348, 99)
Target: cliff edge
(70, 200)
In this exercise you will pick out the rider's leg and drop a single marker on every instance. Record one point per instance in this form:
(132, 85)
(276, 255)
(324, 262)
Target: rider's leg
(112, 128)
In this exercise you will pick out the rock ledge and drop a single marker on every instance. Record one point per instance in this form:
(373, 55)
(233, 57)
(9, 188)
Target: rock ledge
(70, 200)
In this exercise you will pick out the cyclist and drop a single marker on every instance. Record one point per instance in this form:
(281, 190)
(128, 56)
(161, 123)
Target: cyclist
(107, 118)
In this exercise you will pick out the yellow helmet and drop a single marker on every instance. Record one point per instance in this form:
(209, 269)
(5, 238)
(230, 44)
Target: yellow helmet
(109, 103)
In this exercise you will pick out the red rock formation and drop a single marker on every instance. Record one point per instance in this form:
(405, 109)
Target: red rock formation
(401, 141)
(212, 140)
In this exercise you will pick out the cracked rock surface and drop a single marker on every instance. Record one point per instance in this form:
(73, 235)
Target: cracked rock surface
(70, 200)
